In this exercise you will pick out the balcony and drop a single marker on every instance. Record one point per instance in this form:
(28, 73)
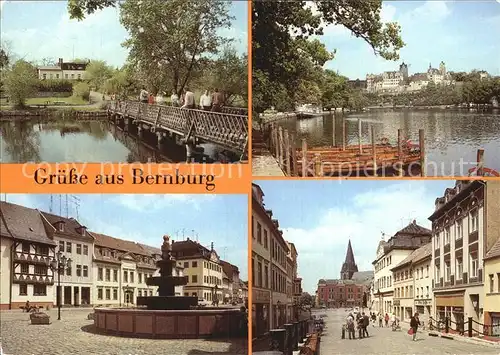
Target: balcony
(20, 278)
(33, 259)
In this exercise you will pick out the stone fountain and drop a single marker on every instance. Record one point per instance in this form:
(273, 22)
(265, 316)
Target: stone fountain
(166, 283)
(167, 316)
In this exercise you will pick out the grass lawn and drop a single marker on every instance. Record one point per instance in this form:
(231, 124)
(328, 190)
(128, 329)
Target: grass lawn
(72, 100)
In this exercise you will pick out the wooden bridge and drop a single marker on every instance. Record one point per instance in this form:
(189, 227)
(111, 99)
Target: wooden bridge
(228, 128)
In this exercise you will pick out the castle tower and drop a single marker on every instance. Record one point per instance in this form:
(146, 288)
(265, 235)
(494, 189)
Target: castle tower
(403, 69)
(442, 68)
(349, 267)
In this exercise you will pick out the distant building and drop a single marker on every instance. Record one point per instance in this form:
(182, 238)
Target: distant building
(63, 70)
(413, 286)
(348, 291)
(357, 84)
(390, 254)
(203, 268)
(400, 81)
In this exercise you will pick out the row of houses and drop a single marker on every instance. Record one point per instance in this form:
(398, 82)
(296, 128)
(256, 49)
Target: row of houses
(450, 271)
(276, 287)
(104, 270)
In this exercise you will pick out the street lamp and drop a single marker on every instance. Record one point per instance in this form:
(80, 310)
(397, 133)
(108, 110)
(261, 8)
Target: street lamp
(58, 264)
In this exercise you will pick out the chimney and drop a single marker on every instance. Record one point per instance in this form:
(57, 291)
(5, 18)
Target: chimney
(414, 222)
(60, 62)
(212, 246)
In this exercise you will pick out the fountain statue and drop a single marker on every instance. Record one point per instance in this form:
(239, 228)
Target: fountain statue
(166, 299)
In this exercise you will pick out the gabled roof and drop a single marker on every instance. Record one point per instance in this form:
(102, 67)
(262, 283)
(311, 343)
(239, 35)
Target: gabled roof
(362, 276)
(416, 256)
(414, 229)
(102, 240)
(23, 223)
(494, 252)
(229, 268)
(71, 226)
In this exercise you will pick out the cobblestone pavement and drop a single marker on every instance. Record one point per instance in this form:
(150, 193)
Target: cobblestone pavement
(385, 341)
(66, 337)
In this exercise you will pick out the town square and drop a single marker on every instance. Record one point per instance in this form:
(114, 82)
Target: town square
(376, 267)
(111, 274)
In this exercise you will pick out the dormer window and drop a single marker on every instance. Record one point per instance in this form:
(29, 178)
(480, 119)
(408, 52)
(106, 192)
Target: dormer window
(60, 226)
(81, 230)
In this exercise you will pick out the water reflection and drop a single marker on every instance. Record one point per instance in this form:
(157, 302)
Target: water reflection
(451, 137)
(90, 141)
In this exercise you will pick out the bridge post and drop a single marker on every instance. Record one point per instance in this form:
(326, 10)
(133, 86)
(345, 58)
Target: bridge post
(139, 130)
(126, 123)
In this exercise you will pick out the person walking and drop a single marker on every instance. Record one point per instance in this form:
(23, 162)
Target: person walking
(360, 321)
(217, 100)
(205, 101)
(144, 95)
(366, 322)
(414, 323)
(350, 327)
(386, 318)
(174, 99)
(380, 320)
(188, 99)
(374, 319)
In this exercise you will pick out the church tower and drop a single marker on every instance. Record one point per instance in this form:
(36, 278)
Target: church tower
(349, 267)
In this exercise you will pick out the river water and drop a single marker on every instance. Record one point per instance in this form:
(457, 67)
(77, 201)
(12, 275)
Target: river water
(79, 141)
(452, 138)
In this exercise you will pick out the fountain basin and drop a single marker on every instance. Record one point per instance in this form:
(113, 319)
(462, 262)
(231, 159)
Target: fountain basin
(167, 302)
(169, 324)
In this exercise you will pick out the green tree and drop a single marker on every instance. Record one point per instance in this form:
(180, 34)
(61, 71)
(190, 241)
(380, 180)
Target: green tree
(280, 30)
(175, 37)
(79, 8)
(228, 73)
(97, 72)
(21, 82)
(82, 90)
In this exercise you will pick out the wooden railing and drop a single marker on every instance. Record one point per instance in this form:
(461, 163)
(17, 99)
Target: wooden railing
(228, 128)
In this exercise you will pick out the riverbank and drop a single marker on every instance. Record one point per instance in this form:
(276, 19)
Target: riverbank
(30, 112)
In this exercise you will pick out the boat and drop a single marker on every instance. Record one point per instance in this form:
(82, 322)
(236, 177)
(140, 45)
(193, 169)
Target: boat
(303, 115)
(336, 161)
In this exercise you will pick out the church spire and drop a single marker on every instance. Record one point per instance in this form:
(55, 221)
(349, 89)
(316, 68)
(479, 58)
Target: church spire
(349, 267)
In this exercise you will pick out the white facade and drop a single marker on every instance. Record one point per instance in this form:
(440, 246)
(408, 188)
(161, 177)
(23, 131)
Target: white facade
(422, 275)
(5, 271)
(383, 290)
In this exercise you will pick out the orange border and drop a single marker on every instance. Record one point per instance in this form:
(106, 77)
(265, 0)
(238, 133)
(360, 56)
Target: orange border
(249, 185)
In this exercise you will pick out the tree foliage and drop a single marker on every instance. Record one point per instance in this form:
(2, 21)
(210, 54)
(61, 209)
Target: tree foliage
(288, 65)
(306, 300)
(78, 9)
(228, 73)
(97, 72)
(173, 38)
(55, 85)
(82, 90)
(21, 82)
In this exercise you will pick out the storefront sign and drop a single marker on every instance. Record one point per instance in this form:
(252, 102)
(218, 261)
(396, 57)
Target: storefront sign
(261, 296)
(450, 301)
(422, 302)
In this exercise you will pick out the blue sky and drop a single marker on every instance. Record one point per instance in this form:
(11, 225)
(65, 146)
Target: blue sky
(463, 34)
(42, 29)
(321, 216)
(222, 219)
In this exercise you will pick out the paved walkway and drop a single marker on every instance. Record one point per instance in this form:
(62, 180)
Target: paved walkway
(385, 341)
(72, 335)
